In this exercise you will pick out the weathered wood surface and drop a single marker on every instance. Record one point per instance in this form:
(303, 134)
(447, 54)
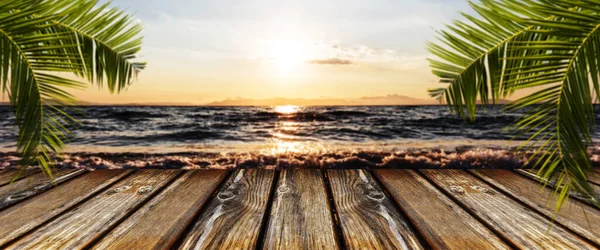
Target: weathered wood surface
(160, 222)
(532, 174)
(6, 176)
(575, 215)
(369, 220)
(300, 216)
(521, 226)
(81, 226)
(27, 215)
(443, 223)
(34, 184)
(121, 209)
(232, 220)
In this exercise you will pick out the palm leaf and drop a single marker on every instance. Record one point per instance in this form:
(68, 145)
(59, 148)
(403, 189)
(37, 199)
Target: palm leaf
(469, 54)
(39, 38)
(569, 88)
(554, 47)
(110, 40)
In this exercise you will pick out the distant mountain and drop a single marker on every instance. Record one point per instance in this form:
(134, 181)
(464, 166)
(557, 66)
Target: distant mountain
(374, 100)
(368, 100)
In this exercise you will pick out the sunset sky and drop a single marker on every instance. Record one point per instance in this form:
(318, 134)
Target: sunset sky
(203, 51)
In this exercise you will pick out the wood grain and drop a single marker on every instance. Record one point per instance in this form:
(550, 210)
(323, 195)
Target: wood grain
(532, 174)
(233, 218)
(300, 217)
(575, 215)
(79, 227)
(6, 176)
(443, 223)
(172, 209)
(369, 220)
(521, 226)
(34, 184)
(25, 216)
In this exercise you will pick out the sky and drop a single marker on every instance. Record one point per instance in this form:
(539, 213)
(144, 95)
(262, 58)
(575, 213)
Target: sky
(202, 51)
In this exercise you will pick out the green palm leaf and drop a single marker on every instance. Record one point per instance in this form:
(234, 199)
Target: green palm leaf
(469, 56)
(40, 41)
(110, 40)
(564, 117)
(556, 52)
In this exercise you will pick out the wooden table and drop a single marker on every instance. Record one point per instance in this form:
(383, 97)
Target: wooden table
(289, 209)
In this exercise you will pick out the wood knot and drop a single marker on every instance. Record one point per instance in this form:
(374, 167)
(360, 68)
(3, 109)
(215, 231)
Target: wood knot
(18, 196)
(457, 189)
(119, 189)
(283, 189)
(145, 189)
(375, 195)
(483, 190)
(225, 195)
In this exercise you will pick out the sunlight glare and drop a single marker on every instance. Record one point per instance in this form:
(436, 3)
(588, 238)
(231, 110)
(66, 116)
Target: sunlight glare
(288, 56)
(286, 109)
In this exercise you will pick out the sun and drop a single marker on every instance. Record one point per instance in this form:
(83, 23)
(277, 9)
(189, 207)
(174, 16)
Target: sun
(288, 56)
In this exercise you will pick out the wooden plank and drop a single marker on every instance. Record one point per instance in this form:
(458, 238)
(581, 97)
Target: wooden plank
(443, 223)
(172, 209)
(25, 216)
(592, 178)
(6, 176)
(521, 226)
(532, 174)
(81, 226)
(369, 220)
(232, 220)
(34, 184)
(531, 193)
(300, 217)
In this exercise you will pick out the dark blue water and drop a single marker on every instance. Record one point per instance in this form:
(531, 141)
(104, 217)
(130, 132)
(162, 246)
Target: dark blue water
(189, 126)
(331, 137)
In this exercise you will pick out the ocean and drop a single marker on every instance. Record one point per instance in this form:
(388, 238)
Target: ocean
(280, 131)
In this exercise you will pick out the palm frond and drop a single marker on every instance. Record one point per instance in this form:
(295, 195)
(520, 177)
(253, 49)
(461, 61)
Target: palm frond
(569, 88)
(469, 54)
(553, 47)
(26, 79)
(110, 41)
(40, 38)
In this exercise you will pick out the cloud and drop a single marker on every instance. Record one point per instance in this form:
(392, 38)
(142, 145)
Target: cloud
(331, 61)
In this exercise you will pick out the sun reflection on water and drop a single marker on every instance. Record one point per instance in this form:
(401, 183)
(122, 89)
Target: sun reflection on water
(286, 109)
(284, 140)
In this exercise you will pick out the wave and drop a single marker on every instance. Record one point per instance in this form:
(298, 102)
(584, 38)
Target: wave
(474, 158)
(346, 113)
(132, 115)
(195, 135)
(461, 158)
